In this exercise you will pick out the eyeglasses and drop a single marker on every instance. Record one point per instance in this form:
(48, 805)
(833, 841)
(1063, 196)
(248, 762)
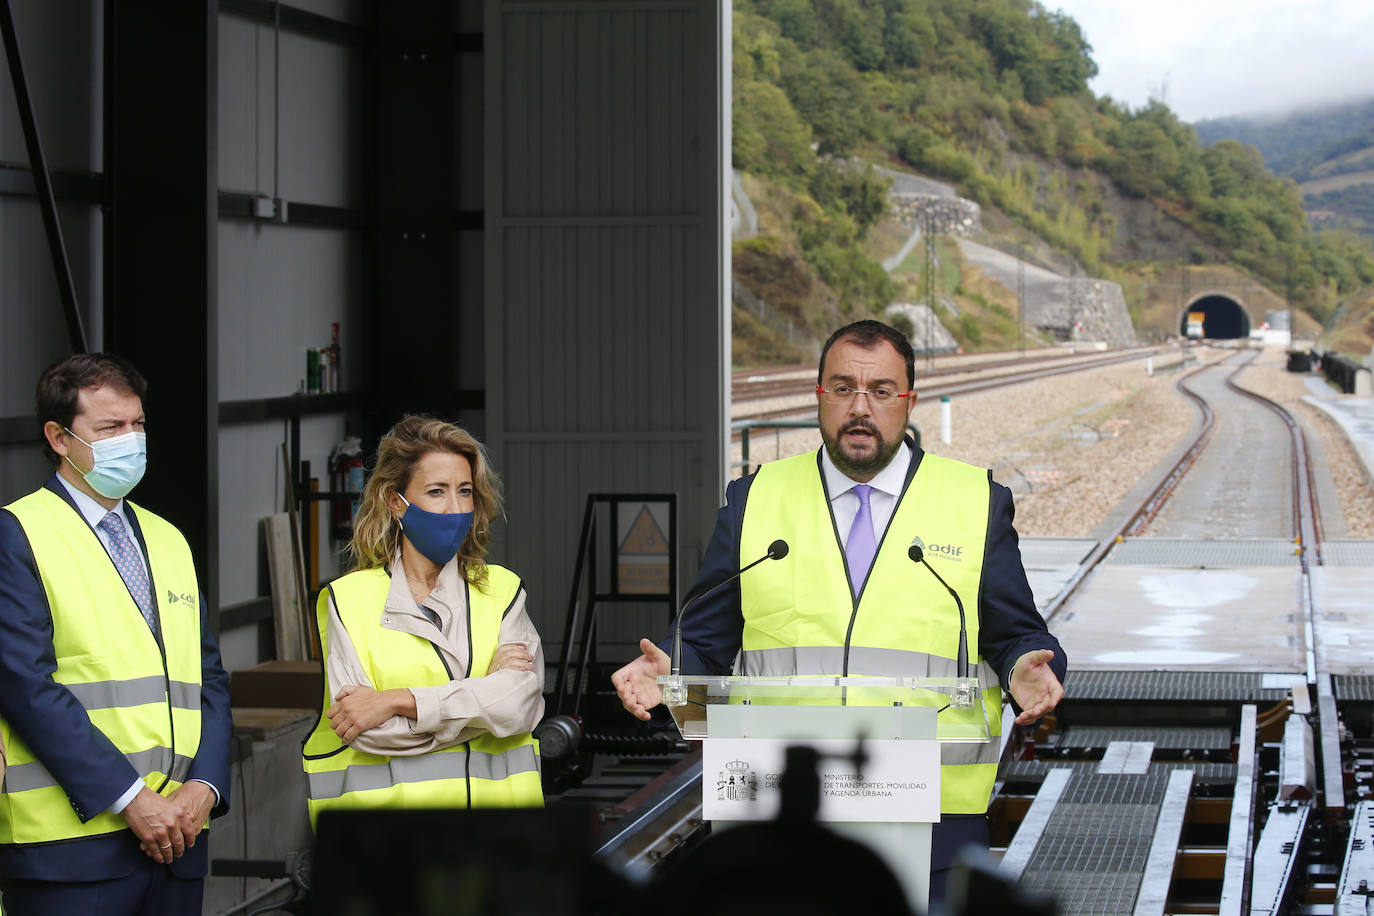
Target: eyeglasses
(844, 394)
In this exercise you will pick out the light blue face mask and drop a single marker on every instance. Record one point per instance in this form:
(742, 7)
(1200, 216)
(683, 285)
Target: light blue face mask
(118, 463)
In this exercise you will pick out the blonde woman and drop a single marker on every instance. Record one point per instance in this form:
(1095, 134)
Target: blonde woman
(434, 672)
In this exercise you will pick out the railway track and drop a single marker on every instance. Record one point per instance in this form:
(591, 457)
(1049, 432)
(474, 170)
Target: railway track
(1255, 833)
(1019, 374)
(1275, 846)
(758, 385)
(1306, 512)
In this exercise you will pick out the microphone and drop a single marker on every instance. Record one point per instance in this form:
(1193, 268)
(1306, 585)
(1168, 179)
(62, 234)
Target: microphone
(674, 695)
(963, 691)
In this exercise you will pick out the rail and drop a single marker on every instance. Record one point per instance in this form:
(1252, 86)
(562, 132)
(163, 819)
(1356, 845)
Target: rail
(1150, 505)
(744, 426)
(801, 387)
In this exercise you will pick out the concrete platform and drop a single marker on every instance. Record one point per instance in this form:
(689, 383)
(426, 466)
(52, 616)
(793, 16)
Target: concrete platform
(1050, 563)
(1163, 618)
(1180, 604)
(1344, 617)
(1356, 417)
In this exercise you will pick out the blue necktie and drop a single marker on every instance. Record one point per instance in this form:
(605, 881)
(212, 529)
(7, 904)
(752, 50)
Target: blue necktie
(861, 546)
(130, 565)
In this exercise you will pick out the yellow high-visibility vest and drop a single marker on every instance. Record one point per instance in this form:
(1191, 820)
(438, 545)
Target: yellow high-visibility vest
(144, 697)
(485, 772)
(801, 616)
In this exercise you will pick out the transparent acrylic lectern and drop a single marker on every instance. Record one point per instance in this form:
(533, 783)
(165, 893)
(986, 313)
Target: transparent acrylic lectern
(746, 723)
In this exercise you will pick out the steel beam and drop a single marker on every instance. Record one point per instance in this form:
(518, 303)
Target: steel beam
(38, 163)
(1329, 730)
(1297, 761)
(1276, 856)
(1153, 895)
(1235, 886)
(161, 242)
(1018, 854)
(1353, 894)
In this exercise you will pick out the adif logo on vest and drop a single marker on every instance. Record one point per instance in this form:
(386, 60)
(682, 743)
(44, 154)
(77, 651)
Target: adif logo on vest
(947, 551)
(173, 597)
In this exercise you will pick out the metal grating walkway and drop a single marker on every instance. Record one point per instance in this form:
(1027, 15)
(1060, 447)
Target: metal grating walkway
(1191, 553)
(1037, 553)
(1210, 739)
(1092, 854)
(1353, 688)
(1348, 553)
(1181, 686)
(1032, 771)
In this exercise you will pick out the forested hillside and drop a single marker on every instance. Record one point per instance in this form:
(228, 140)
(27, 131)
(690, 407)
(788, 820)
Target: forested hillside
(1329, 151)
(992, 96)
(1303, 144)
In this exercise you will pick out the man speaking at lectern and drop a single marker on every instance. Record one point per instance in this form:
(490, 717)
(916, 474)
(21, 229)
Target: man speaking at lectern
(851, 598)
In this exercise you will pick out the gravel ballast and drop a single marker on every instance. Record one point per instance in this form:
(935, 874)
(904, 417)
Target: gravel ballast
(1073, 446)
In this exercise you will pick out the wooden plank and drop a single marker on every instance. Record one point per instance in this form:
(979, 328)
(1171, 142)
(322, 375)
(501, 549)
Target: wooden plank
(286, 596)
(298, 556)
(278, 685)
(259, 724)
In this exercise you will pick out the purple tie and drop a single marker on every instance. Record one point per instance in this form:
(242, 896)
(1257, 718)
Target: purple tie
(861, 546)
(130, 565)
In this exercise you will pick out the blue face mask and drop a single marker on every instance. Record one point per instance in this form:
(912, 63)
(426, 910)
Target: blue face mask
(437, 535)
(117, 465)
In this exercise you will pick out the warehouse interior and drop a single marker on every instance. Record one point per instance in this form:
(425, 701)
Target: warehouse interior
(509, 214)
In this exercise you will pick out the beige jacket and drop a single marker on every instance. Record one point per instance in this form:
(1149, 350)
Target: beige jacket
(505, 703)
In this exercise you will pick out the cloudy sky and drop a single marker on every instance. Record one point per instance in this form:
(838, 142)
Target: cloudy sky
(1211, 58)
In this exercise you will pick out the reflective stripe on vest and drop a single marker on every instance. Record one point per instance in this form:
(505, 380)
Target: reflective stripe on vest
(485, 772)
(362, 777)
(145, 700)
(135, 692)
(801, 617)
(29, 776)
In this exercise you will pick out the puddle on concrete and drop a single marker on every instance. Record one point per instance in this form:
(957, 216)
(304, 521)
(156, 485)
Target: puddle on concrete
(1196, 589)
(1175, 626)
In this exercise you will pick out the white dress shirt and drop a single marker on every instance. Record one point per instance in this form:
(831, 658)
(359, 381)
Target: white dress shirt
(882, 501)
(93, 512)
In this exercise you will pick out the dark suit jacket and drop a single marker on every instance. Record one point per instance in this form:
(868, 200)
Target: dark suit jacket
(1009, 624)
(82, 760)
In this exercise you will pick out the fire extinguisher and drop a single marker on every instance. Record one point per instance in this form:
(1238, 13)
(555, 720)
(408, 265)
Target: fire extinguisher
(345, 476)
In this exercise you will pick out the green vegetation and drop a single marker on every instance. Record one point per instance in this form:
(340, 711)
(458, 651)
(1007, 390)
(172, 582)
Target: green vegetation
(992, 96)
(1305, 144)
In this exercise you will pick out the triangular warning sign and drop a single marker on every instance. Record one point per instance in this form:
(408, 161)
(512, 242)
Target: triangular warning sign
(644, 538)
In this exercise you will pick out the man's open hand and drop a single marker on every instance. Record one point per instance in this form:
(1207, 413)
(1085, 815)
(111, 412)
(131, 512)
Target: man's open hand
(637, 683)
(1034, 686)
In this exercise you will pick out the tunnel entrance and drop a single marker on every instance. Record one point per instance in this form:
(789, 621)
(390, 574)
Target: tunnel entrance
(1223, 317)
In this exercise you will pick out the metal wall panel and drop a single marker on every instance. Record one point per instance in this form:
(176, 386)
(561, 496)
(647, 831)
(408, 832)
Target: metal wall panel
(322, 118)
(22, 470)
(33, 332)
(606, 323)
(61, 46)
(280, 287)
(61, 49)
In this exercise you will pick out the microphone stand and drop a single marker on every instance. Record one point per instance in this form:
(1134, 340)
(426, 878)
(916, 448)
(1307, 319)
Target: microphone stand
(965, 687)
(674, 694)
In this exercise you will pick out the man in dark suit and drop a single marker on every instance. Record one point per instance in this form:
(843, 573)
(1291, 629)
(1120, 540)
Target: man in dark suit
(848, 600)
(114, 706)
